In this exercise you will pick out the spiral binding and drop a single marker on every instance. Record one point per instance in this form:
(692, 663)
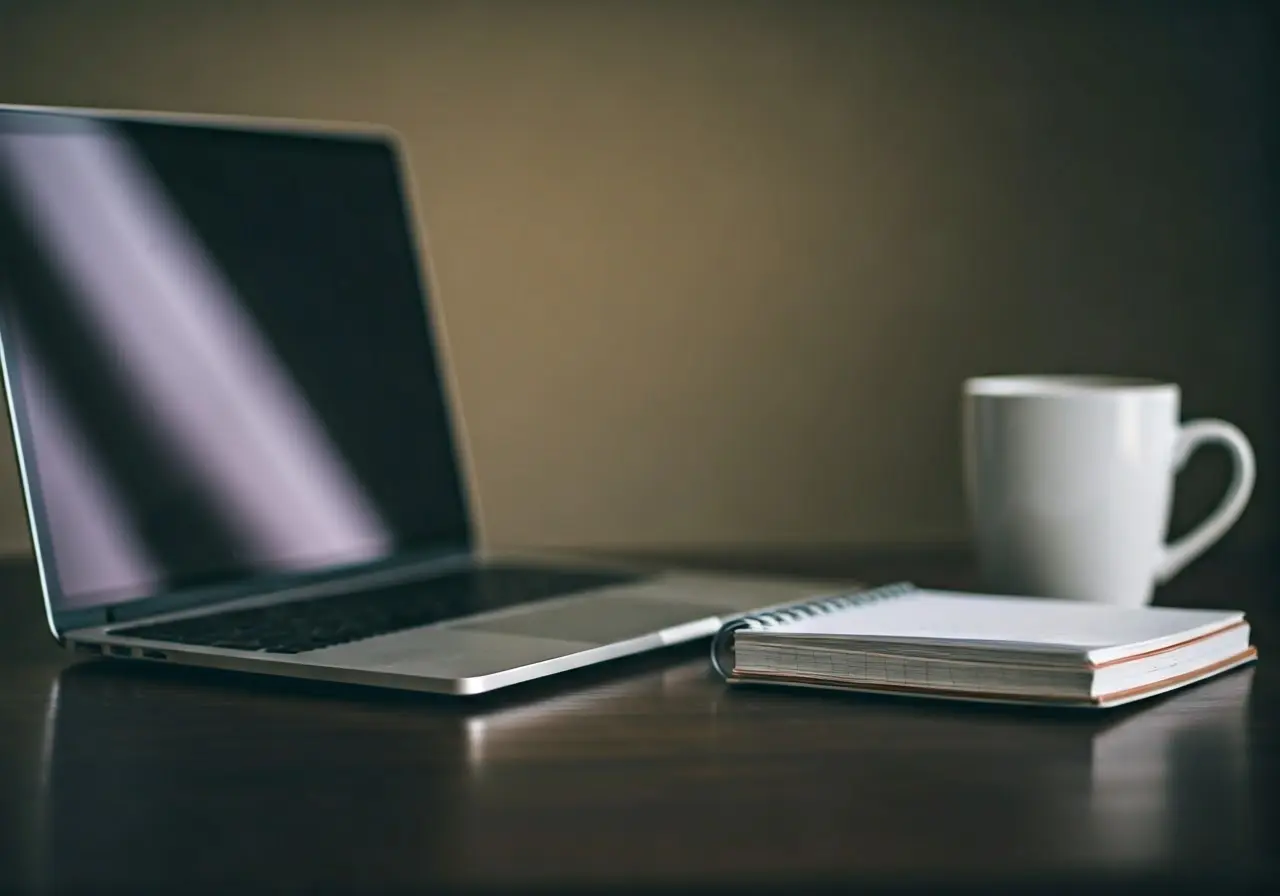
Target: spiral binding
(795, 613)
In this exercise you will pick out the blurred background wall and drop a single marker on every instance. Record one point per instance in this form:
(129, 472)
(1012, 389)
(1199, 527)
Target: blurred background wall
(713, 271)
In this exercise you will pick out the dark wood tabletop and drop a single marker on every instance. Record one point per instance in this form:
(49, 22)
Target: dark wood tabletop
(647, 773)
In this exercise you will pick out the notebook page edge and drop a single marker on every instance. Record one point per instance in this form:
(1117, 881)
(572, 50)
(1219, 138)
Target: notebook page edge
(1150, 668)
(1093, 703)
(1102, 656)
(1106, 701)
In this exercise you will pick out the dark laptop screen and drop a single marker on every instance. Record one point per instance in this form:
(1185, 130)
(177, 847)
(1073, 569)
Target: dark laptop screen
(219, 351)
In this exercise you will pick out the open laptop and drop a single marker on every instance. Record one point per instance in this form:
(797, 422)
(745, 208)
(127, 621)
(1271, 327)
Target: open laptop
(235, 431)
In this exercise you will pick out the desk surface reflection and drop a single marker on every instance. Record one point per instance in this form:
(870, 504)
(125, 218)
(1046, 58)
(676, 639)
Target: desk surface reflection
(648, 772)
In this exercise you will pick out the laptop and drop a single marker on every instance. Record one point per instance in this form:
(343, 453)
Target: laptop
(237, 437)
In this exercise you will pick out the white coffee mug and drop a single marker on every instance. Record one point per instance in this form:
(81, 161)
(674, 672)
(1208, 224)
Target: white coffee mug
(1069, 481)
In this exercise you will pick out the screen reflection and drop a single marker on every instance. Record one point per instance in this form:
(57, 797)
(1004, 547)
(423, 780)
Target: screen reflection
(221, 353)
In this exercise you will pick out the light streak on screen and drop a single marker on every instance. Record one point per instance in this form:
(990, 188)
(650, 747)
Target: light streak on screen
(221, 341)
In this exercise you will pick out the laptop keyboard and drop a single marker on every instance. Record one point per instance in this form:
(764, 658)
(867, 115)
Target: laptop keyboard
(299, 626)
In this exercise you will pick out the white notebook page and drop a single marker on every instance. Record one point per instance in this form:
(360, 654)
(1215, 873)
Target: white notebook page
(943, 617)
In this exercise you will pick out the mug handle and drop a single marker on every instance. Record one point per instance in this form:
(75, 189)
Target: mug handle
(1191, 436)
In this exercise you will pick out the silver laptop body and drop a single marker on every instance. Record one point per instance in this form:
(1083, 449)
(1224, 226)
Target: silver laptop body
(235, 425)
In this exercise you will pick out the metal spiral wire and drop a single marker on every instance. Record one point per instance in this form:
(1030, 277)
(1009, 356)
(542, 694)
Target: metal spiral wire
(720, 644)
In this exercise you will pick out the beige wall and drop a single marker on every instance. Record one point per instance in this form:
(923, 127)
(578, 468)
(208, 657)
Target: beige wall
(713, 271)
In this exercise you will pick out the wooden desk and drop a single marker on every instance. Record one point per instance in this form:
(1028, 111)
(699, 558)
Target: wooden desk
(647, 773)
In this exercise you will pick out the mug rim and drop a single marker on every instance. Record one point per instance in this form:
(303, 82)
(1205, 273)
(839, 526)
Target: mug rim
(1063, 385)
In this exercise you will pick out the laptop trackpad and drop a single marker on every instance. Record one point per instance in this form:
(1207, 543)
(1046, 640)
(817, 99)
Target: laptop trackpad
(596, 619)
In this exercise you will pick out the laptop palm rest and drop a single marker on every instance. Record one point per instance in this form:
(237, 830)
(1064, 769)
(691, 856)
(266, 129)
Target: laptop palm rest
(592, 619)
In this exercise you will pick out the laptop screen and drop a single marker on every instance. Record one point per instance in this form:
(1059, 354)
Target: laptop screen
(219, 353)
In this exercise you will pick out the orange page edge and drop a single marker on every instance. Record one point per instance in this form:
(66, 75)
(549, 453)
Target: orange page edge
(910, 690)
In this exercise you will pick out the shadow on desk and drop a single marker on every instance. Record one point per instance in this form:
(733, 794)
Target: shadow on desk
(647, 773)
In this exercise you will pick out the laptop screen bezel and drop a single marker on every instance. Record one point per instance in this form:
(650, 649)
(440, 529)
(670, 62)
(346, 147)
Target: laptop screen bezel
(61, 619)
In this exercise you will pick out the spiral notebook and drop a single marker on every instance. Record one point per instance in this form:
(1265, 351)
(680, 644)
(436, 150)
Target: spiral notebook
(902, 639)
